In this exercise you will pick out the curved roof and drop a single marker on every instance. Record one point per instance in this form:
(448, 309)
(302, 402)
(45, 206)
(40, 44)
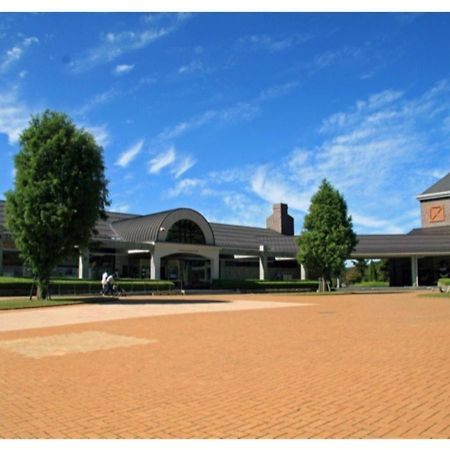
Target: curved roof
(154, 227)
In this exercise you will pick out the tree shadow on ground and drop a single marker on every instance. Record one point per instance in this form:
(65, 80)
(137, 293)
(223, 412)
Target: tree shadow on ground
(160, 301)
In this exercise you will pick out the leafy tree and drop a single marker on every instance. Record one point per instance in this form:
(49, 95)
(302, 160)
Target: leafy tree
(384, 269)
(373, 274)
(361, 267)
(327, 238)
(60, 191)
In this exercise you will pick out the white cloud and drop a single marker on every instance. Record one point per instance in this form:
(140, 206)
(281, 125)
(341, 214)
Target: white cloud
(121, 69)
(113, 45)
(329, 57)
(378, 224)
(193, 66)
(273, 44)
(366, 154)
(15, 53)
(99, 99)
(184, 186)
(100, 133)
(120, 207)
(272, 188)
(241, 111)
(128, 155)
(162, 160)
(378, 153)
(183, 166)
(14, 115)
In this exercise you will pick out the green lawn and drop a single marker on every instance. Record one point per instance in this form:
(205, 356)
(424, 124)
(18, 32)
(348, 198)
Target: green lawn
(436, 295)
(26, 303)
(371, 284)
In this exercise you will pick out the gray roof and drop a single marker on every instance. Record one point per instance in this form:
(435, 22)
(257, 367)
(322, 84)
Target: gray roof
(105, 229)
(443, 185)
(250, 238)
(434, 231)
(135, 228)
(141, 228)
(379, 245)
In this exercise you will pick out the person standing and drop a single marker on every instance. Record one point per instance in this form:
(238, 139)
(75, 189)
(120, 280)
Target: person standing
(104, 282)
(109, 284)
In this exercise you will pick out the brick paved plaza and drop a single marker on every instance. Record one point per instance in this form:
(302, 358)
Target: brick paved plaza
(250, 366)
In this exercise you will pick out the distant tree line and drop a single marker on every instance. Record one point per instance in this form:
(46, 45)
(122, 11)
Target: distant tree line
(367, 270)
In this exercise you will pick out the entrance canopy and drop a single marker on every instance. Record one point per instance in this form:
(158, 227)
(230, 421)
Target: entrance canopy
(181, 225)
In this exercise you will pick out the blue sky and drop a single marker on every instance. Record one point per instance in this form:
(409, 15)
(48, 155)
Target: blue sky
(229, 113)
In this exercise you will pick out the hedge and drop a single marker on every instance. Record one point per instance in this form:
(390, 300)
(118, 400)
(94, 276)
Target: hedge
(266, 285)
(71, 286)
(444, 282)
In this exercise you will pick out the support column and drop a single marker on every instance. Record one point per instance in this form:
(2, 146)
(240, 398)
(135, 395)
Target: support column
(215, 265)
(83, 264)
(414, 271)
(302, 272)
(263, 272)
(155, 266)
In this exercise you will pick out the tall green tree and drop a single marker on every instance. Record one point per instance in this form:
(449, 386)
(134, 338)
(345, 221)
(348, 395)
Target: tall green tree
(373, 274)
(60, 191)
(327, 238)
(361, 267)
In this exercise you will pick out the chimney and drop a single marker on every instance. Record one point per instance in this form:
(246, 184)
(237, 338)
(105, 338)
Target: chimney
(280, 220)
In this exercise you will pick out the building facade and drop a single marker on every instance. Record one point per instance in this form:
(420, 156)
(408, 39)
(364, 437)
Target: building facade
(179, 245)
(183, 246)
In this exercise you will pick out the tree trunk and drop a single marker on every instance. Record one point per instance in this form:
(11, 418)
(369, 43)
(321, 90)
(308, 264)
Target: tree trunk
(322, 283)
(42, 288)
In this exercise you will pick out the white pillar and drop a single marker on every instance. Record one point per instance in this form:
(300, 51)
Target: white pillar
(262, 267)
(302, 272)
(83, 264)
(155, 266)
(414, 271)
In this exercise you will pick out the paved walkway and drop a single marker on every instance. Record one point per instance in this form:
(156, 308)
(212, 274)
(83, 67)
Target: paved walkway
(342, 366)
(126, 309)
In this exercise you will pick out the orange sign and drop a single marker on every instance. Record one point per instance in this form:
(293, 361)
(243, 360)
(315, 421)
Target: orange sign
(437, 214)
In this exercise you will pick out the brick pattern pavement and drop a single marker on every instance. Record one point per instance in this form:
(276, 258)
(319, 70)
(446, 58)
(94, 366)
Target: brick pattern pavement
(349, 367)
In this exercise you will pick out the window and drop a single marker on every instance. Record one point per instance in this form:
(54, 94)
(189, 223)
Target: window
(185, 232)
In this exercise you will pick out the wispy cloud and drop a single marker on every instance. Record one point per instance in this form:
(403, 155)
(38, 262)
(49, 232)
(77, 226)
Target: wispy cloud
(184, 186)
(330, 57)
(122, 69)
(170, 158)
(99, 99)
(191, 67)
(377, 153)
(273, 44)
(100, 133)
(241, 111)
(183, 166)
(365, 152)
(15, 53)
(128, 155)
(14, 114)
(120, 207)
(113, 45)
(162, 160)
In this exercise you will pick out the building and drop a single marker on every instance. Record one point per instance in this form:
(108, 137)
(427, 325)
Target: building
(181, 245)
(422, 256)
